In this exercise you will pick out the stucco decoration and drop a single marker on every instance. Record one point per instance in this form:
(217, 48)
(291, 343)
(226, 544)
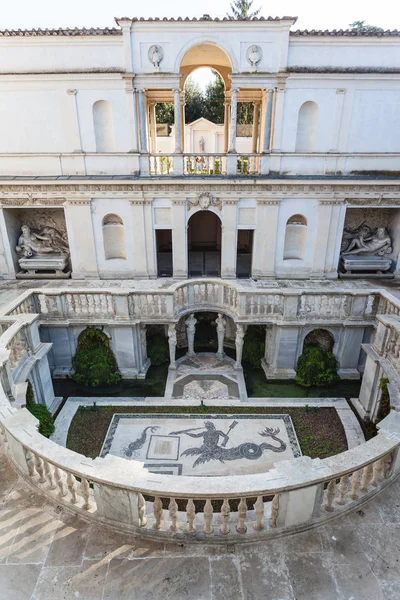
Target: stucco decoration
(366, 241)
(47, 240)
(204, 200)
(254, 56)
(156, 55)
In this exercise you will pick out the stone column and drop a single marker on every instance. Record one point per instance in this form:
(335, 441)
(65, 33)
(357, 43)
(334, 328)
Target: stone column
(239, 341)
(229, 239)
(177, 121)
(267, 121)
(142, 123)
(190, 332)
(78, 219)
(232, 137)
(183, 121)
(278, 118)
(221, 328)
(254, 140)
(132, 116)
(172, 345)
(153, 127)
(179, 239)
(226, 125)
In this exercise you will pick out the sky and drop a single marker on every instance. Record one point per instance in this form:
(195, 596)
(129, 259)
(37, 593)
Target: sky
(312, 14)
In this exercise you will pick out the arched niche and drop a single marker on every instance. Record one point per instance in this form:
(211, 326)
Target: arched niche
(204, 244)
(295, 238)
(320, 337)
(113, 237)
(103, 126)
(307, 127)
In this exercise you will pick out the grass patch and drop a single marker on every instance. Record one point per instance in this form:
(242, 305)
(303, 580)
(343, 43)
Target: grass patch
(319, 430)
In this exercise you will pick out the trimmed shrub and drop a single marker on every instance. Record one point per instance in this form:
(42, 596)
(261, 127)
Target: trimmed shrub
(41, 412)
(94, 362)
(316, 366)
(254, 345)
(157, 349)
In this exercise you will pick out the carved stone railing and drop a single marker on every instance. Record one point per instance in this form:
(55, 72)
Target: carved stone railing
(167, 305)
(294, 495)
(204, 164)
(248, 164)
(161, 164)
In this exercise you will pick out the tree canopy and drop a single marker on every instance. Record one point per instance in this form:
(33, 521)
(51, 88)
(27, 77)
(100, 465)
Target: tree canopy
(363, 26)
(241, 9)
(208, 104)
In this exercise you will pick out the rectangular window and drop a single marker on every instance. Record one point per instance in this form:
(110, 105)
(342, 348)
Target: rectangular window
(164, 252)
(244, 253)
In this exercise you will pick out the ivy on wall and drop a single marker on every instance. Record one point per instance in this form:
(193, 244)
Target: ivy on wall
(41, 412)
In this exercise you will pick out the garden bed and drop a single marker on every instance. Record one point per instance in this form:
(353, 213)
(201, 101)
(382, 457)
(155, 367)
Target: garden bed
(319, 430)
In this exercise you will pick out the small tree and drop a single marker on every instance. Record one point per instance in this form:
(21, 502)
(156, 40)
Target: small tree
(241, 9)
(316, 366)
(94, 362)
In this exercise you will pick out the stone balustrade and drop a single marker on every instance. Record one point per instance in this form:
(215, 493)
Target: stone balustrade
(161, 164)
(251, 305)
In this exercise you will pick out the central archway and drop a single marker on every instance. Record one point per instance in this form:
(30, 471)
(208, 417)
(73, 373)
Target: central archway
(204, 244)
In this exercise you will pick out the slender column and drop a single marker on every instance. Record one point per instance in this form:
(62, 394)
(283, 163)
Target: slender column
(153, 127)
(226, 125)
(172, 345)
(183, 121)
(268, 121)
(239, 341)
(190, 332)
(232, 140)
(255, 127)
(177, 121)
(142, 123)
(221, 328)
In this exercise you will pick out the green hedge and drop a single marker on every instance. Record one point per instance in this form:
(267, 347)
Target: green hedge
(316, 366)
(94, 362)
(41, 412)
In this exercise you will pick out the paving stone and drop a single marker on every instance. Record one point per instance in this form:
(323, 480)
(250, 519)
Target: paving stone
(33, 539)
(106, 543)
(225, 575)
(70, 583)
(310, 577)
(68, 546)
(164, 578)
(264, 574)
(307, 541)
(356, 580)
(17, 582)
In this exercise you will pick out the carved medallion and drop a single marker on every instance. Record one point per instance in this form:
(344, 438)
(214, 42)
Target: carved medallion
(254, 55)
(205, 200)
(156, 54)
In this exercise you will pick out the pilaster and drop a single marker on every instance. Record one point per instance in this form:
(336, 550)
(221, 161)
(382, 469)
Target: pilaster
(229, 239)
(265, 238)
(139, 240)
(179, 239)
(78, 218)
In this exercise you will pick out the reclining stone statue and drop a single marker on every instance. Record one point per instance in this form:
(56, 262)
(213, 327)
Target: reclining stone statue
(367, 242)
(38, 243)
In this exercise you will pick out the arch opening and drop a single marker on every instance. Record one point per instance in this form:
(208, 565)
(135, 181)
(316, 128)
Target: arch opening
(204, 244)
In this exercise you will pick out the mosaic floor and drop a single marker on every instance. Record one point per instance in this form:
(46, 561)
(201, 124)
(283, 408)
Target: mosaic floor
(203, 444)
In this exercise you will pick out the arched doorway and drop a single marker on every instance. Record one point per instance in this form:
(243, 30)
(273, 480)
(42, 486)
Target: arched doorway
(204, 244)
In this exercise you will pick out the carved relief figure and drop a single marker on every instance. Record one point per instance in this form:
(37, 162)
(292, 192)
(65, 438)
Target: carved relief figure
(254, 55)
(47, 241)
(156, 55)
(202, 144)
(367, 242)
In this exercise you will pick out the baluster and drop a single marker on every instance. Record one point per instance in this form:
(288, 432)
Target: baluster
(366, 478)
(173, 514)
(85, 490)
(158, 512)
(97, 305)
(40, 469)
(190, 515)
(208, 516)
(225, 517)
(59, 477)
(30, 462)
(72, 487)
(274, 511)
(343, 487)
(110, 305)
(48, 469)
(330, 495)
(376, 472)
(355, 484)
(242, 514)
(90, 304)
(259, 512)
(252, 305)
(142, 510)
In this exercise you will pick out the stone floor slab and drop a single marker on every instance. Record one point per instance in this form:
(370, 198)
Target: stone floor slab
(310, 577)
(85, 582)
(69, 543)
(225, 575)
(264, 574)
(17, 582)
